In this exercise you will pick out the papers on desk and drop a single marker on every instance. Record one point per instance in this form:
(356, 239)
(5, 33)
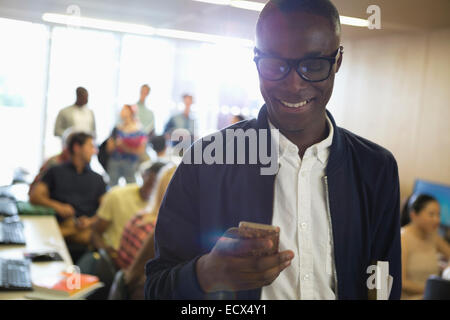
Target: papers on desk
(64, 286)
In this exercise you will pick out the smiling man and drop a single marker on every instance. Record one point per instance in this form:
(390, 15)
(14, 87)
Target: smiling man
(335, 195)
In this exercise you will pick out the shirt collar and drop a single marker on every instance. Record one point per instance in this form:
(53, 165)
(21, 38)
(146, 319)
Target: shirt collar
(319, 150)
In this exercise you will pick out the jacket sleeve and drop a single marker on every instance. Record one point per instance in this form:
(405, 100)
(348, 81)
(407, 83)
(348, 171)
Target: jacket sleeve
(386, 238)
(171, 274)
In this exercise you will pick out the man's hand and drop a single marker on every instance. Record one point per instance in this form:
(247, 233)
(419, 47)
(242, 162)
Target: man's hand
(224, 268)
(84, 222)
(65, 210)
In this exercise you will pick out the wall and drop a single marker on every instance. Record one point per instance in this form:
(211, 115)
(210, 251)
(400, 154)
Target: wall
(394, 90)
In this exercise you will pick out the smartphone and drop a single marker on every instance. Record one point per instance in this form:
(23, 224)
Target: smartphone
(251, 230)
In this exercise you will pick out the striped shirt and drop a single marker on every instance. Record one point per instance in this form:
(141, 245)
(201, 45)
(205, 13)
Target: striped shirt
(133, 236)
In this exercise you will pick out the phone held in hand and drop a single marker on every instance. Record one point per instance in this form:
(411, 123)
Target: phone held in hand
(251, 230)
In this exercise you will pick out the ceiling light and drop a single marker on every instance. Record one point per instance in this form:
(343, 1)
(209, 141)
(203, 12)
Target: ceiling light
(221, 2)
(249, 5)
(258, 6)
(356, 22)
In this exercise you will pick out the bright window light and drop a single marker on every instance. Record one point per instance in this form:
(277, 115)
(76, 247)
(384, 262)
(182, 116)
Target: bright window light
(143, 29)
(98, 24)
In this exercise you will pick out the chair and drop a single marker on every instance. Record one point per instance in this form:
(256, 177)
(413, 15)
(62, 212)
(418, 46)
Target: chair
(118, 289)
(105, 270)
(437, 288)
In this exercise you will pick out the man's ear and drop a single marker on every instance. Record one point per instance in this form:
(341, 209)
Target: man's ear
(339, 61)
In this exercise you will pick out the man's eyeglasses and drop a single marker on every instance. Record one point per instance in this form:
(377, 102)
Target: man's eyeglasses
(312, 69)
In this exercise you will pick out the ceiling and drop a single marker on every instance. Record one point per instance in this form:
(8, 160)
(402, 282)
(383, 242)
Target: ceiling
(396, 15)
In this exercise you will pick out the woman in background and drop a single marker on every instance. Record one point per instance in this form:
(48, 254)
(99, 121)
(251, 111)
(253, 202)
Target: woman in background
(421, 245)
(125, 147)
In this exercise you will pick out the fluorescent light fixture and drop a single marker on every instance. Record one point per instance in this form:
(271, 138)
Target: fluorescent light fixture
(196, 36)
(258, 6)
(98, 24)
(220, 2)
(142, 29)
(356, 22)
(249, 5)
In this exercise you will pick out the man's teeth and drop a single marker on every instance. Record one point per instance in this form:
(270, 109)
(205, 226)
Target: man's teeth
(295, 105)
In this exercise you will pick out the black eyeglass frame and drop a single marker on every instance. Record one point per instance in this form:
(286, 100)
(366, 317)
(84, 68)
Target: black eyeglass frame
(296, 63)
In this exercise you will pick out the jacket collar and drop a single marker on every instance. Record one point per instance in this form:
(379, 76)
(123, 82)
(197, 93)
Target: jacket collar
(337, 148)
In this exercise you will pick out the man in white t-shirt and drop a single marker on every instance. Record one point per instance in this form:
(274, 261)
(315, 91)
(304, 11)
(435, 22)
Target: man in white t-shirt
(78, 116)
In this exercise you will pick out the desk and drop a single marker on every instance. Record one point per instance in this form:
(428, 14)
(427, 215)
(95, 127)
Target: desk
(41, 233)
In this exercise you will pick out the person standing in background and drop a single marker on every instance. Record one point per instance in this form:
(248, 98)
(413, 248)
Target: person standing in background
(182, 120)
(145, 115)
(78, 116)
(127, 145)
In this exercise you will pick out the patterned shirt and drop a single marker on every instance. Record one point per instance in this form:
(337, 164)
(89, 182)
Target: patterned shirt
(133, 236)
(131, 140)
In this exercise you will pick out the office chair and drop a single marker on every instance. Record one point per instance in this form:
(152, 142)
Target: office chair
(437, 288)
(118, 289)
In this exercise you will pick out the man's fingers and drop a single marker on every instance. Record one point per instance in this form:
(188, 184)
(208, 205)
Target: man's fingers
(239, 247)
(261, 264)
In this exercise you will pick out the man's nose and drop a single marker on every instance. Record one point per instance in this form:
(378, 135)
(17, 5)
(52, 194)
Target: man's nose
(293, 82)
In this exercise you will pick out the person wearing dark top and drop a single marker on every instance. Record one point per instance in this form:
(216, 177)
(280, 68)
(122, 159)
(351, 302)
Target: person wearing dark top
(73, 190)
(334, 194)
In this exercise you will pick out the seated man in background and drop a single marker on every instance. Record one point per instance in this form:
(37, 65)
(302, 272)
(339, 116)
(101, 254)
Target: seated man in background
(119, 205)
(136, 244)
(55, 160)
(74, 191)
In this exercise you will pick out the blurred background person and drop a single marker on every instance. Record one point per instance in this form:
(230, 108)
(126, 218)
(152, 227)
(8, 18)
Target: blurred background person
(77, 116)
(119, 205)
(74, 191)
(182, 120)
(137, 245)
(237, 118)
(125, 147)
(421, 246)
(145, 115)
(62, 157)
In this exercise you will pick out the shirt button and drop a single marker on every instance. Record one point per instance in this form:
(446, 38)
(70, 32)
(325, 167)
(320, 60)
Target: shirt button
(303, 174)
(304, 225)
(306, 277)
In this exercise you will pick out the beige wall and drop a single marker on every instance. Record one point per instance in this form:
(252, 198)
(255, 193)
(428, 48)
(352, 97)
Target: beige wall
(395, 91)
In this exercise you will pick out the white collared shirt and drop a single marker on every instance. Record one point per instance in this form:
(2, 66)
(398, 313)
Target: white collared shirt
(301, 212)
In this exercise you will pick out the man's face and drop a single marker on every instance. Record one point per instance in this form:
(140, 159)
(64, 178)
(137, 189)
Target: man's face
(144, 92)
(87, 150)
(295, 36)
(187, 103)
(82, 97)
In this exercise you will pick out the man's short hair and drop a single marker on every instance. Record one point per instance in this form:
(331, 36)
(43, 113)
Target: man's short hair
(186, 95)
(79, 138)
(80, 90)
(323, 8)
(158, 143)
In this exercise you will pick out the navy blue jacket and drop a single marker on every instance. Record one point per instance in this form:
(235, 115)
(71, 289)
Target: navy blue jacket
(203, 201)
